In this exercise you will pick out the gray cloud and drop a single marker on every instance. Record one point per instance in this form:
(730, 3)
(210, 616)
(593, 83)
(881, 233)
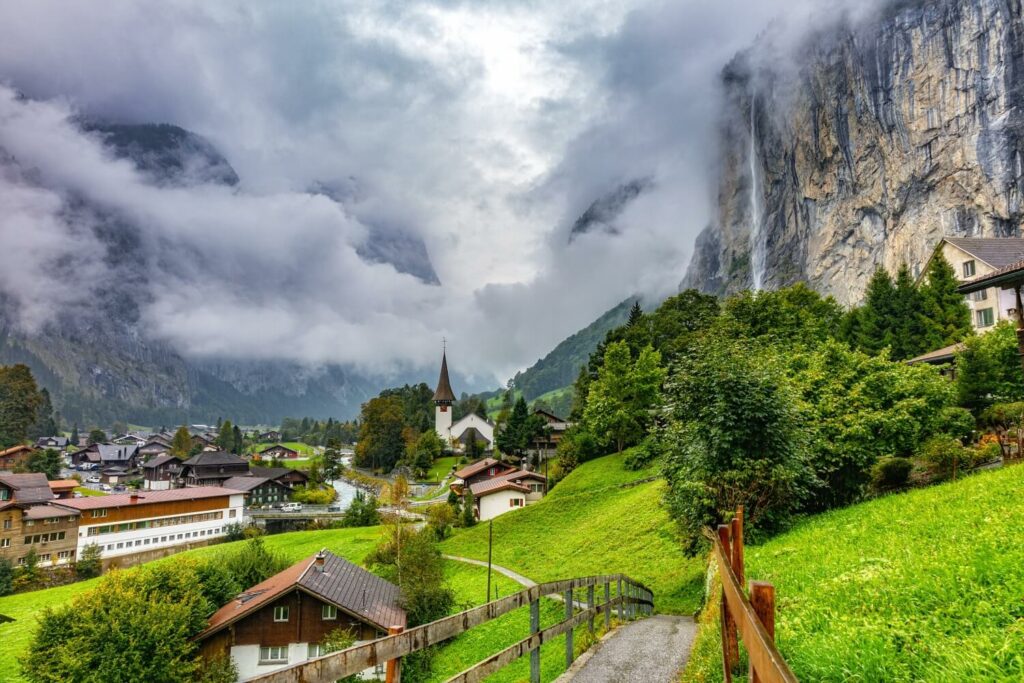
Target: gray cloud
(485, 128)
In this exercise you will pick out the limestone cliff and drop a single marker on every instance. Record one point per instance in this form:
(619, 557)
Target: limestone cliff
(865, 145)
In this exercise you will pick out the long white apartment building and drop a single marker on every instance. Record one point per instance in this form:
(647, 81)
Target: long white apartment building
(151, 520)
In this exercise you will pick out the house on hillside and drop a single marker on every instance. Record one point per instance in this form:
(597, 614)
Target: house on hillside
(132, 438)
(107, 455)
(975, 257)
(269, 436)
(57, 443)
(259, 491)
(160, 472)
(481, 470)
(29, 520)
(285, 475)
(15, 457)
(507, 492)
(158, 445)
(212, 468)
(285, 619)
(278, 451)
(543, 445)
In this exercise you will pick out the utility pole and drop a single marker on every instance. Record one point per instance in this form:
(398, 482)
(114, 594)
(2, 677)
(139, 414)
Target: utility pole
(490, 544)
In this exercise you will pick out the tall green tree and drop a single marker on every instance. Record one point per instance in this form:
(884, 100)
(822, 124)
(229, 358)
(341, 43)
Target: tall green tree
(74, 436)
(988, 370)
(946, 319)
(181, 444)
(518, 430)
(45, 424)
(97, 436)
(621, 399)
(874, 318)
(46, 462)
(636, 314)
(909, 338)
(380, 442)
(226, 436)
(20, 398)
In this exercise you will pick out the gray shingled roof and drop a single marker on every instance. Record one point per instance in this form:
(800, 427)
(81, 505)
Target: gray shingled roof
(214, 458)
(28, 488)
(158, 460)
(995, 251)
(245, 483)
(116, 453)
(355, 590)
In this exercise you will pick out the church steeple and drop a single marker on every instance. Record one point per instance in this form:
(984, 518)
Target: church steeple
(444, 394)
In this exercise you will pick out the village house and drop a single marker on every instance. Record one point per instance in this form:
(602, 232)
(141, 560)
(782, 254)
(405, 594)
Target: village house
(132, 526)
(63, 488)
(158, 445)
(211, 468)
(507, 492)
(57, 443)
(278, 451)
(285, 475)
(543, 445)
(29, 520)
(285, 619)
(132, 439)
(260, 491)
(973, 258)
(106, 456)
(269, 437)
(160, 473)
(481, 470)
(15, 457)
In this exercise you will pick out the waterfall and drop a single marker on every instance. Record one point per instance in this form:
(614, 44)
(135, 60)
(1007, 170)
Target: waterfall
(757, 239)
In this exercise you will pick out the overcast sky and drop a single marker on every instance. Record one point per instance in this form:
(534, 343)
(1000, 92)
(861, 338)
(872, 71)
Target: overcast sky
(484, 127)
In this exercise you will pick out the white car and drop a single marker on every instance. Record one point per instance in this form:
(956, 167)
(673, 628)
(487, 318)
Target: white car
(104, 487)
(291, 507)
(93, 480)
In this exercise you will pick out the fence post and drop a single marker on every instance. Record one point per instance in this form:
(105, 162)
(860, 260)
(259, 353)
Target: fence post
(534, 630)
(622, 604)
(730, 644)
(590, 605)
(393, 671)
(607, 607)
(737, 545)
(762, 599)
(568, 634)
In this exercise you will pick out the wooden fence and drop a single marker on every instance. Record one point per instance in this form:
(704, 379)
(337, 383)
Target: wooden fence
(754, 618)
(632, 600)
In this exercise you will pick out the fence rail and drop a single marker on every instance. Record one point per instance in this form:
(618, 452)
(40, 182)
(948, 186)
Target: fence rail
(632, 599)
(753, 618)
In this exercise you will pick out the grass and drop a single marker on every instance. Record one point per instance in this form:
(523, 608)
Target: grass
(590, 525)
(921, 586)
(88, 492)
(352, 544)
(441, 468)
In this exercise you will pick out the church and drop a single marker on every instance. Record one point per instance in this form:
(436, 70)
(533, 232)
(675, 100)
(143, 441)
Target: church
(470, 427)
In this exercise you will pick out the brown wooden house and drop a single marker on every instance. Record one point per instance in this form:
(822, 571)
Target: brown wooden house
(278, 451)
(27, 520)
(15, 457)
(285, 619)
(211, 468)
(481, 470)
(286, 475)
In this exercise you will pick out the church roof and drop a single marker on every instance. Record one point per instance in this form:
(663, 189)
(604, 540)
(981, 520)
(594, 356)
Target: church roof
(444, 391)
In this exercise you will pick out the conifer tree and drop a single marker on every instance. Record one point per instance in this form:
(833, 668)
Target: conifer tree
(946, 319)
(907, 325)
(874, 320)
(181, 444)
(636, 314)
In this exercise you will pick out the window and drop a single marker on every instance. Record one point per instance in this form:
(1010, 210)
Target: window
(232, 513)
(537, 488)
(64, 555)
(102, 512)
(5, 543)
(5, 494)
(274, 655)
(515, 502)
(329, 613)
(968, 268)
(978, 296)
(315, 650)
(7, 524)
(281, 613)
(984, 317)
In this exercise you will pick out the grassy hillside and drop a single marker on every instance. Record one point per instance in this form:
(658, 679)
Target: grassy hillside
(922, 586)
(589, 524)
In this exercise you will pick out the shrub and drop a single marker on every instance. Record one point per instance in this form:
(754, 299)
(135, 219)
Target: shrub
(312, 496)
(958, 423)
(362, 511)
(6, 576)
(891, 474)
(944, 455)
(254, 563)
(986, 452)
(90, 562)
(646, 452)
(440, 518)
(234, 532)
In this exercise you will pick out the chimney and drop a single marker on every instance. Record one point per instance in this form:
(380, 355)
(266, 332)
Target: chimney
(134, 497)
(319, 561)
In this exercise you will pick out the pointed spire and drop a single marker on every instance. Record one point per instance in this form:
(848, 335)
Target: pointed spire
(444, 393)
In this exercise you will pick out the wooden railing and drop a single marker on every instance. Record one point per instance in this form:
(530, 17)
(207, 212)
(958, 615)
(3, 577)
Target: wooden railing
(632, 600)
(753, 617)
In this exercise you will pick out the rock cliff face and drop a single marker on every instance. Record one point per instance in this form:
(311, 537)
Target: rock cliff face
(866, 145)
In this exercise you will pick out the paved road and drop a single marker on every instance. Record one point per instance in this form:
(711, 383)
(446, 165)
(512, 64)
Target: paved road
(652, 650)
(518, 578)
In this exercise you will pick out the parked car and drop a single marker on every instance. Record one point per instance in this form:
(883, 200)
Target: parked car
(93, 480)
(335, 507)
(104, 487)
(291, 507)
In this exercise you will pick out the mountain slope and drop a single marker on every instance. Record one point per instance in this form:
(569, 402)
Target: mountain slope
(865, 145)
(562, 364)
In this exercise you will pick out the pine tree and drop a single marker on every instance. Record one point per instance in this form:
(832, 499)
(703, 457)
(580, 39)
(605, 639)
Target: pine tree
(907, 329)
(226, 436)
(636, 314)
(74, 435)
(874, 319)
(946, 317)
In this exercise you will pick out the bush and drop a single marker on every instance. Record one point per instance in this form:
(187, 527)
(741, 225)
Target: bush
(90, 562)
(254, 563)
(891, 474)
(234, 532)
(958, 423)
(312, 496)
(6, 576)
(646, 452)
(944, 455)
(986, 452)
(362, 511)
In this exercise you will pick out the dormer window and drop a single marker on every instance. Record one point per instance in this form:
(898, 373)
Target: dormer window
(969, 268)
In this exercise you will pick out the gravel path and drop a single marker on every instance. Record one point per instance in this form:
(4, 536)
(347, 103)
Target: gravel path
(518, 578)
(652, 650)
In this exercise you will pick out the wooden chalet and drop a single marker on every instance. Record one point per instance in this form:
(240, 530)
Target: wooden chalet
(15, 457)
(278, 451)
(212, 468)
(259, 491)
(544, 444)
(161, 472)
(28, 520)
(285, 619)
(286, 475)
